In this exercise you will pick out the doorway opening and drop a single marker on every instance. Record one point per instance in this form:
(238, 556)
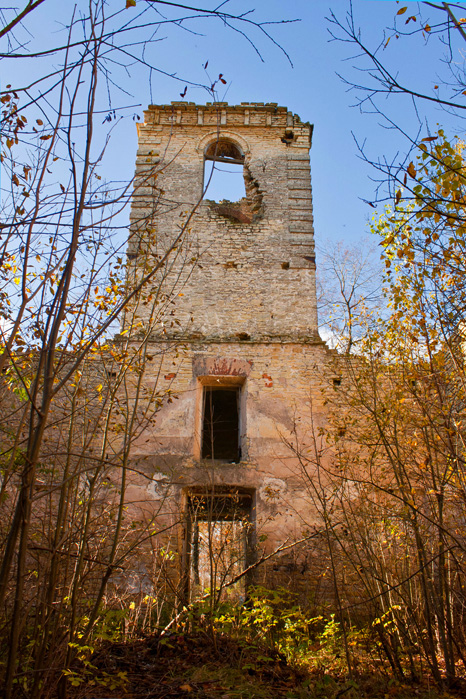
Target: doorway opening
(219, 530)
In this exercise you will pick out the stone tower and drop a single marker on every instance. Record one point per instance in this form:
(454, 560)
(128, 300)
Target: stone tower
(236, 321)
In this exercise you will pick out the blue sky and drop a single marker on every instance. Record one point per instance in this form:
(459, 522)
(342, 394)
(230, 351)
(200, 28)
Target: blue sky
(310, 87)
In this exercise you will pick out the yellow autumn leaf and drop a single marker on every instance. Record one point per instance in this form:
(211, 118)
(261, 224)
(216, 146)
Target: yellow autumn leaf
(411, 170)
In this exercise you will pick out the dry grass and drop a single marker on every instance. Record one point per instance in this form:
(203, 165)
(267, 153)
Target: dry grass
(202, 666)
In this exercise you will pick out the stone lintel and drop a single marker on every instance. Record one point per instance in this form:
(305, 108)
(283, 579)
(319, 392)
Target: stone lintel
(300, 193)
(299, 156)
(301, 227)
(296, 212)
(299, 178)
(301, 239)
(299, 165)
(297, 216)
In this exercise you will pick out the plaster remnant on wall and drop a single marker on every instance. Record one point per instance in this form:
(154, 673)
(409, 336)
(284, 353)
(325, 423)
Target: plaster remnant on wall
(272, 489)
(220, 366)
(160, 486)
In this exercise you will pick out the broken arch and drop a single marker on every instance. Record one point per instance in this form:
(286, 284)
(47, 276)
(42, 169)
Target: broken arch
(229, 186)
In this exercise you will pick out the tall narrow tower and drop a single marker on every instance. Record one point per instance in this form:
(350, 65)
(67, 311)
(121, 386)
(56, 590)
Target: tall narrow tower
(237, 319)
(255, 274)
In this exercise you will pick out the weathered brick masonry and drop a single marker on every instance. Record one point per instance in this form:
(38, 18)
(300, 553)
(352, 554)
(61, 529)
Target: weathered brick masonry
(239, 317)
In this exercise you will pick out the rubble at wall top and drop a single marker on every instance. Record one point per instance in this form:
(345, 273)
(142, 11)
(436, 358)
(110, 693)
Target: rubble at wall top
(216, 105)
(245, 114)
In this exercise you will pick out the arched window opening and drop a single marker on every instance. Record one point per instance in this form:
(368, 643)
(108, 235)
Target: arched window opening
(229, 187)
(224, 152)
(224, 172)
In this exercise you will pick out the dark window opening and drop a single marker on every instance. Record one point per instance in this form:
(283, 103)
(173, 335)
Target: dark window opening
(218, 533)
(220, 425)
(288, 137)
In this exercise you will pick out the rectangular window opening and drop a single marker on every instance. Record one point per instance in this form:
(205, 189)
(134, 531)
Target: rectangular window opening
(224, 181)
(220, 423)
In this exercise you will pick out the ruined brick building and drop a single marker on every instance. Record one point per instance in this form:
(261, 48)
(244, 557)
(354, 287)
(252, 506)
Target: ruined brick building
(238, 329)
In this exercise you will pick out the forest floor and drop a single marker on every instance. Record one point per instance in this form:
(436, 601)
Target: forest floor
(201, 666)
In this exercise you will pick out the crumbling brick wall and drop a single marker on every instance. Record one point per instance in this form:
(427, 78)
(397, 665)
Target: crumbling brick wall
(252, 277)
(240, 309)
